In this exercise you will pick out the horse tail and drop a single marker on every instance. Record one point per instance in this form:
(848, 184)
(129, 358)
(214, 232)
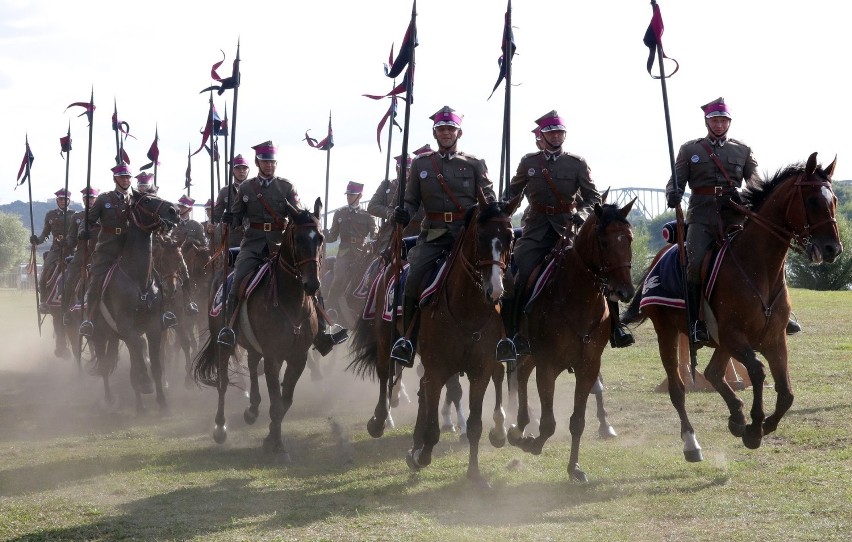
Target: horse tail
(205, 369)
(364, 346)
(105, 358)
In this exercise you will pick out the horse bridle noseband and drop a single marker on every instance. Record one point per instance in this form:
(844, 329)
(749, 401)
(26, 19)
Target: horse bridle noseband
(295, 269)
(474, 270)
(137, 208)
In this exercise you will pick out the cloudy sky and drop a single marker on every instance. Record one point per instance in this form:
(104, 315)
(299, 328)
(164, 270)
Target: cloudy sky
(780, 65)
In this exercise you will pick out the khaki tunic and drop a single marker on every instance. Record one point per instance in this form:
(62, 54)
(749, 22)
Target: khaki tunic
(235, 233)
(463, 174)
(695, 168)
(82, 251)
(382, 204)
(353, 226)
(111, 210)
(57, 223)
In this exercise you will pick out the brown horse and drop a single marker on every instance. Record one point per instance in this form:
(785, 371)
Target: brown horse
(459, 330)
(170, 265)
(278, 323)
(569, 324)
(748, 310)
(131, 304)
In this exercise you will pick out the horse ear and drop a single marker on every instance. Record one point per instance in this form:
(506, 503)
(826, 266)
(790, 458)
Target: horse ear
(829, 171)
(599, 209)
(624, 211)
(480, 197)
(812, 164)
(604, 195)
(512, 205)
(317, 208)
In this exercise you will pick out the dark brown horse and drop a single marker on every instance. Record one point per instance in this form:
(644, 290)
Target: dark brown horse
(569, 324)
(170, 265)
(131, 305)
(278, 323)
(459, 330)
(748, 310)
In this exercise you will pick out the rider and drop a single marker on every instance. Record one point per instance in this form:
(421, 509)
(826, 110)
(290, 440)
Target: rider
(241, 172)
(445, 182)
(208, 226)
(144, 183)
(384, 200)
(352, 225)
(111, 212)
(551, 179)
(57, 222)
(188, 230)
(714, 167)
(262, 202)
(82, 251)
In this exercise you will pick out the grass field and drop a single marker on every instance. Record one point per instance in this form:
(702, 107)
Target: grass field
(72, 470)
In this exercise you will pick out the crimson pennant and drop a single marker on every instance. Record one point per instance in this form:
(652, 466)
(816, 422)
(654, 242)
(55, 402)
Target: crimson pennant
(654, 39)
(23, 171)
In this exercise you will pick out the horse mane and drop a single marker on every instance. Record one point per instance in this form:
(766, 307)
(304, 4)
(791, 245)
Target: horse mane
(609, 213)
(303, 216)
(488, 212)
(757, 192)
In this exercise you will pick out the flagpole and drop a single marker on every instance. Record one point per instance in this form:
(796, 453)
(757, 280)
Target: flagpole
(327, 172)
(187, 181)
(233, 129)
(507, 109)
(33, 256)
(65, 212)
(118, 159)
(156, 139)
(212, 148)
(84, 268)
(390, 137)
(693, 358)
(227, 156)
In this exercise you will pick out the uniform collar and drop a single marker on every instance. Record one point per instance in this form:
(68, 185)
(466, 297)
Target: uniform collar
(447, 156)
(720, 142)
(551, 156)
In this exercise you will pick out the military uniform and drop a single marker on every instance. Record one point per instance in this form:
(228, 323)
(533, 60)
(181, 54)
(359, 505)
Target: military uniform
(82, 251)
(57, 223)
(352, 226)
(110, 218)
(382, 204)
(235, 232)
(191, 231)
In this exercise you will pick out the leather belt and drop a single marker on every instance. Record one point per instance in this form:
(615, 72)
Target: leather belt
(59, 237)
(551, 209)
(445, 217)
(713, 191)
(114, 231)
(266, 226)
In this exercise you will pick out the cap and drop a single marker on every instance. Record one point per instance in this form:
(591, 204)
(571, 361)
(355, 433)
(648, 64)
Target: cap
(62, 193)
(264, 151)
(423, 150)
(354, 188)
(144, 179)
(537, 133)
(240, 161)
(399, 161)
(121, 171)
(716, 108)
(550, 122)
(447, 116)
(186, 201)
(90, 192)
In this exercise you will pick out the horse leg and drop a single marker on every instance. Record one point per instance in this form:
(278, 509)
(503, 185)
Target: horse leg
(187, 347)
(545, 377)
(61, 346)
(497, 434)
(381, 414)
(155, 339)
(777, 359)
(220, 431)
(426, 429)
(667, 342)
(587, 378)
(523, 372)
(398, 392)
(453, 397)
(272, 368)
(292, 373)
(753, 433)
(314, 365)
(478, 386)
(253, 410)
(605, 430)
(715, 374)
(139, 378)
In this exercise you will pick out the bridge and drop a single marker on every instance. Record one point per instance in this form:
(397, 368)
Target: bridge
(651, 202)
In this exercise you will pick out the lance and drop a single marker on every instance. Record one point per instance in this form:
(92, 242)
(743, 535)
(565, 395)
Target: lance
(212, 148)
(65, 214)
(390, 136)
(693, 358)
(156, 139)
(233, 129)
(327, 171)
(115, 128)
(505, 154)
(33, 258)
(225, 135)
(403, 171)
(84, 269)
(188, 179)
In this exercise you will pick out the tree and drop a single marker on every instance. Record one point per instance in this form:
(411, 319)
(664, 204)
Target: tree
(828, 276)
(14, 242)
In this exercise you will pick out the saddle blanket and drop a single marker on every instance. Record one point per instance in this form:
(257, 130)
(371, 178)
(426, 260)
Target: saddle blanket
(664, 283)
(365, 286)
(370, 308)
(219, 302)
(543, 278)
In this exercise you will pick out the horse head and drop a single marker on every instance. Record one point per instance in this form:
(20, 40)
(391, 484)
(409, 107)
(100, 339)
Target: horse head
(492, 224)
(604, 245)
(304, 242)
(820, 207)
(151, 213)
(169, 265)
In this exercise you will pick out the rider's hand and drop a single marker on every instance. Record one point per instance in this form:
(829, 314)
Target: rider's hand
(84, 235)
(673, 199)
(34, 239)
(401, 216)
(577, 220)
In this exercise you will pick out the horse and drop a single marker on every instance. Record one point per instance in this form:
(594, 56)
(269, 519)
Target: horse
(795, 209)
(169, 265)
(459, 330)
(569, 324)
(130, 305)
(278, 322)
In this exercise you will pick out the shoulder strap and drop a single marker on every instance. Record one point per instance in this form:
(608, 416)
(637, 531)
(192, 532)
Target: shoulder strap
(718, 163)
(549, 179)
(444, 184)
(266, 206)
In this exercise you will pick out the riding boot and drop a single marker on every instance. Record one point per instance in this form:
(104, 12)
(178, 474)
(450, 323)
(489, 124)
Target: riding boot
(620, 336)
(227, 337)
(328, 334)
(90, 305)
(403, 349)
(698, 329)
(522, 344)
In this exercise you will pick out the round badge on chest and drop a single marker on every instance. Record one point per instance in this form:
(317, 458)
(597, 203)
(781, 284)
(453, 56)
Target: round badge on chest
(531, 172)
(108, 205)
(694, 159)
(245, 199)
(423, 174)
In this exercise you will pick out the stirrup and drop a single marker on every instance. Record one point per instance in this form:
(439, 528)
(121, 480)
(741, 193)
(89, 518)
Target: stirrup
(505, 351)
(169, 319)
(191, 308)
(522, 345)
(793, 327)
(337, 333)
(621, 337)
(699, 333)
(323, 342)
(227, 337)
(87, 328)
(403, 352)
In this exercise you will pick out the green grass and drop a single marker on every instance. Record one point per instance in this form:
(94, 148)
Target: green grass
(73, 471)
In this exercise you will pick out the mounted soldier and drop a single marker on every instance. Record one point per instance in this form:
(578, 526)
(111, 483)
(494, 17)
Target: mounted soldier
(261, 203)
(207, 225)
(57, 222)
(384, 200)
(241, 172)
(445, 182)
(353, 226)
(561, 192)
(82, 251)
(145, 183)
(188, 229)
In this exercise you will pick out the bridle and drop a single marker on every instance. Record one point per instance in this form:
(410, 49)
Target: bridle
(600, 268)
(137, 209)
(476, 269)
(290, 264)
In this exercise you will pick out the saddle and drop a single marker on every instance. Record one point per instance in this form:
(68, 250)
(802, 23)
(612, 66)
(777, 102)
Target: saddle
(244, 290)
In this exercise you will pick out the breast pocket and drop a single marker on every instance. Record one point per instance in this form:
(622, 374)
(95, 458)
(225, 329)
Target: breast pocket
(736, 165)
(464, 178)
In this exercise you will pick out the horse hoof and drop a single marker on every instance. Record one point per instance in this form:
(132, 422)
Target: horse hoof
(479, 481)
(514, 435)
(693, 456)
(736, 429)
(752, 441)
(448, 428)
(412, 460)
(375, 428)
(220, 434)
(249, 416)
(606, 431)
(576, 475)
(463, 438)
(497, 440)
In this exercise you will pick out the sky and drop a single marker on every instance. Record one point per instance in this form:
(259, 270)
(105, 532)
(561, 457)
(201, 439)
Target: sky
(779, 64)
